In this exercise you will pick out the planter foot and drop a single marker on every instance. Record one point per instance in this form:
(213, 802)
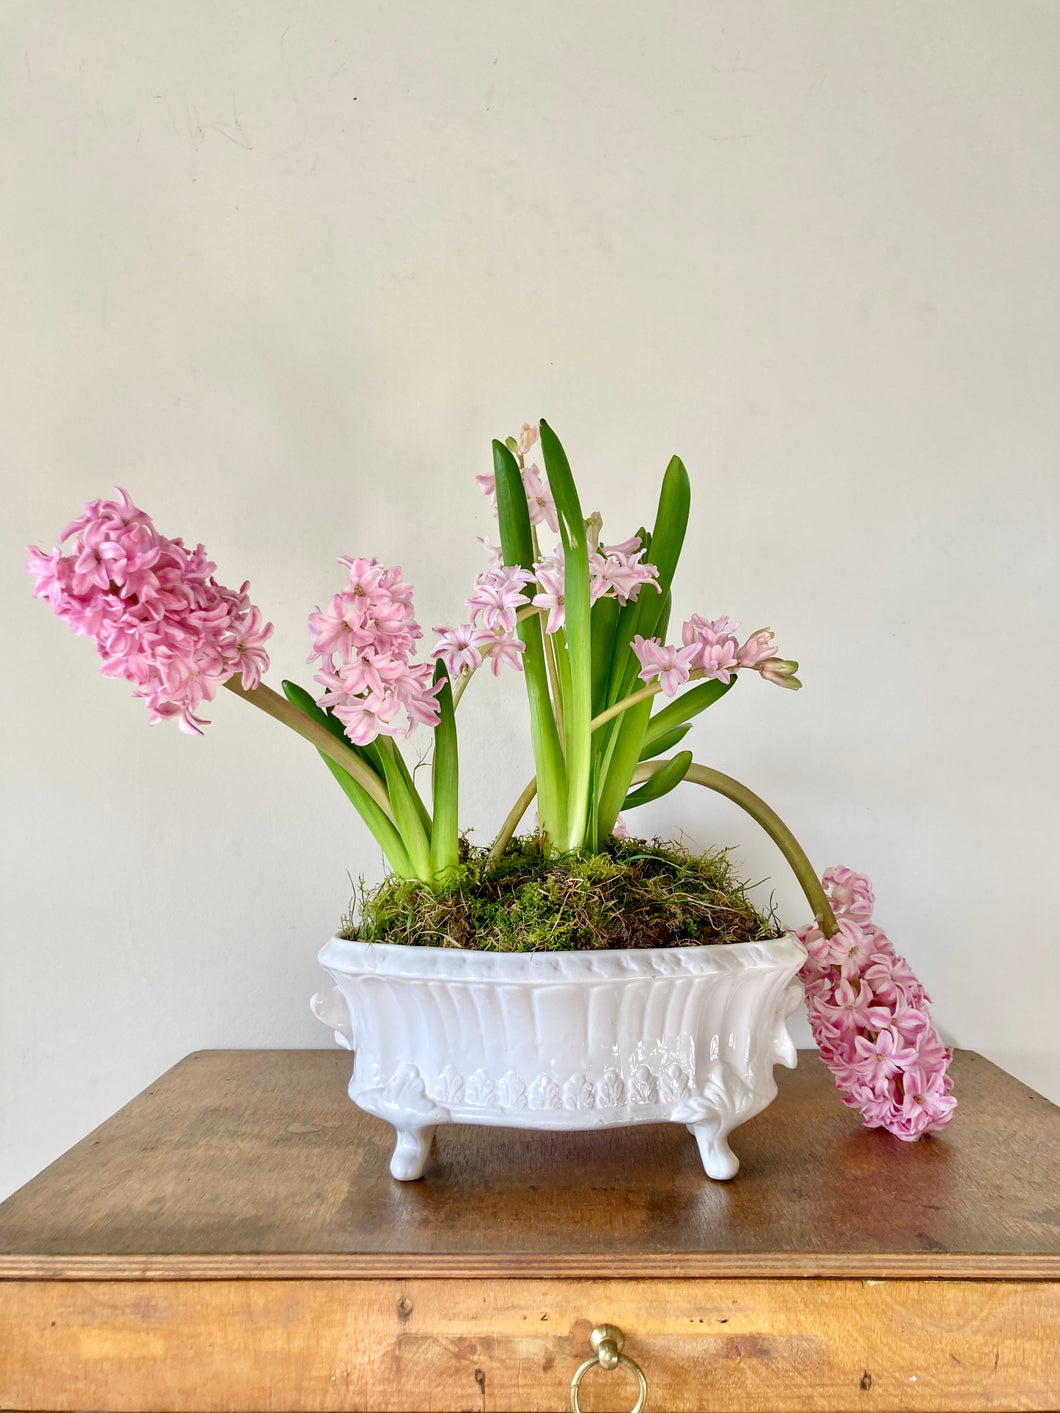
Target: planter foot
(411, 1152)
(719, 1161)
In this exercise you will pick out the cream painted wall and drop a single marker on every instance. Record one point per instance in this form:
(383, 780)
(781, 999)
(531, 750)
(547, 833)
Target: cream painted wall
(283, 270)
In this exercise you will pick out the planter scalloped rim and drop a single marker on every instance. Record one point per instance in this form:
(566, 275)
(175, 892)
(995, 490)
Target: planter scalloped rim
(562, 1040)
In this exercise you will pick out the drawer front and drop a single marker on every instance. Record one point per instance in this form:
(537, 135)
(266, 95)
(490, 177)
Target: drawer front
(512, 1346)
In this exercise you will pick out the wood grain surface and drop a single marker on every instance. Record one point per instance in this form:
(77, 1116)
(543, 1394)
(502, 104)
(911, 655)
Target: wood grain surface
(726, 1346)
(232, 1241)
(255, 1164)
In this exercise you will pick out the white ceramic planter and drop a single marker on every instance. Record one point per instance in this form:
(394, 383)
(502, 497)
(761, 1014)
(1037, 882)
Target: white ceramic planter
(562, 1040)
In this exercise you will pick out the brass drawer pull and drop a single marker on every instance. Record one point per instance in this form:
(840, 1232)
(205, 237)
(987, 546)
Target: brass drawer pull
(606, 1342)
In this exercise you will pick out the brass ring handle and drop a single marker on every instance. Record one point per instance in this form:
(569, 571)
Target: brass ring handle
(606, 1342)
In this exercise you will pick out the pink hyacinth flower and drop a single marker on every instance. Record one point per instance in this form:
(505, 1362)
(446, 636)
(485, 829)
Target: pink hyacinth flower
(890, 976)
(758, 647)
(883, 1055)
(715, 643)
(498, 595)
(551, 598)
(849, 892)
(868, 1015)
(852, 946)
(496, 558)
(670, 665)
(158, 616)
(850, 1008)
(528, 434)
(505, 650)
(364, 641)
(460, 648)
(616, 571)
(927, 1101)
(539, 499)
(495, 600)
(487, 484)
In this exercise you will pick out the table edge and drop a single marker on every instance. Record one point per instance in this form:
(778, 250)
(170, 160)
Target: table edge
(417, 1265)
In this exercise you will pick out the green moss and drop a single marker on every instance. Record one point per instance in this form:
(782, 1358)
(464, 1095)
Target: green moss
(634, 894)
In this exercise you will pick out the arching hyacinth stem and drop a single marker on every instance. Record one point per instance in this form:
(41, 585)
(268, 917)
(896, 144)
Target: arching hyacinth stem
(270, 702)
(740, 795)
(771, 822)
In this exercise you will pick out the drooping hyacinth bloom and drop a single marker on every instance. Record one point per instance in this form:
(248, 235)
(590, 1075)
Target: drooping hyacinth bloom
(158, 616)
(363, 640)
(869, 1016)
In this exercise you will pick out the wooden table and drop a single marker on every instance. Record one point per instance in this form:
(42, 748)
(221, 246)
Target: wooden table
(231, 1240)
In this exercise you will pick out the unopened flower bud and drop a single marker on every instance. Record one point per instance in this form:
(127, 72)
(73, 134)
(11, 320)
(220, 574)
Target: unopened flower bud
(780, 671)
(527, 437)
(593, 526)
(758, 647)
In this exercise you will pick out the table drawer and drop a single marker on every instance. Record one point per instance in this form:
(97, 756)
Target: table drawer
(439, 1344)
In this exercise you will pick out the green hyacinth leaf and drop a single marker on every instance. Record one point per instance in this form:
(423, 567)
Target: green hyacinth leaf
(664, 743)
(445, 832)
(383, 831)
(661, 783)
(689, 704)
(517, 547)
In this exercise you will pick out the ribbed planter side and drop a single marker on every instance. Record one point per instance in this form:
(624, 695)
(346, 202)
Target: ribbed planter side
(563, 1040)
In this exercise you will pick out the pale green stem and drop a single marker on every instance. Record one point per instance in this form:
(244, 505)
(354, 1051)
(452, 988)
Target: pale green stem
(511, 824)
(740, 795)
(634, 698)
(469, 672)
(553, 681)
(459, 685)
(281, 709)
(770, 821)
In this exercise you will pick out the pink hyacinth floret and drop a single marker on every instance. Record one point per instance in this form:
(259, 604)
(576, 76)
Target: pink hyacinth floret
(616, 571)
(868, 1014)
(363, 640)
(551, 598)
(539, 501)
(158, 616)
(495, 600)
(670, 665)
(849, 893)
(714, 645)
(498, 596)
(720, 654)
